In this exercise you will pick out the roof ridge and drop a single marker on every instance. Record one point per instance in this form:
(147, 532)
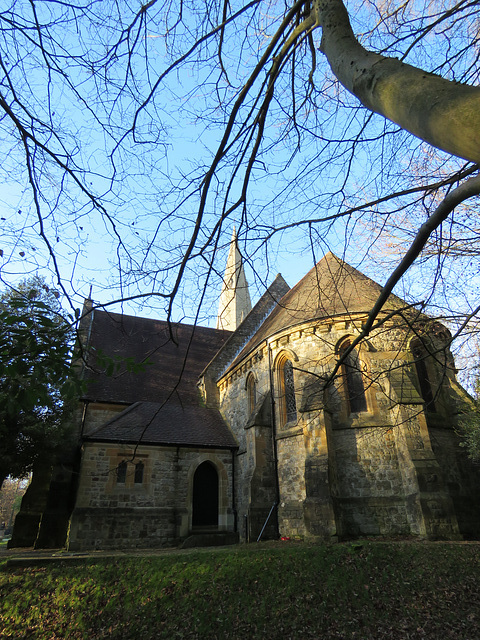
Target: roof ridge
(114, 315)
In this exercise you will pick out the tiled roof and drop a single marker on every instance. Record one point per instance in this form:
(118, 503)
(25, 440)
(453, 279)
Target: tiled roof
(169, 424)
(330, 289)
(171, 363)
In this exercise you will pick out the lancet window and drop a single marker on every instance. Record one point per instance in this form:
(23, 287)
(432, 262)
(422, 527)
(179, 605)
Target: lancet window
(122, 472)
(139, 468)
(286, 381)
(251, 392)
(353, 379)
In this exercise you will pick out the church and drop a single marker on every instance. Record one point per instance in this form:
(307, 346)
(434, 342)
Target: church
(273, 424)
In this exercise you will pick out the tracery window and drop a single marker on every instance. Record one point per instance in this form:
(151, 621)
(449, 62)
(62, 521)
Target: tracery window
(353, 379)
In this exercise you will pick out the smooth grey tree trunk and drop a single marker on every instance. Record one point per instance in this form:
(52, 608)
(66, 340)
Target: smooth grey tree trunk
(443, 113)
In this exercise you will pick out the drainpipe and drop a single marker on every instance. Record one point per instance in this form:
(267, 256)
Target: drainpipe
(274, 437)
(175, 494)
(234, 508)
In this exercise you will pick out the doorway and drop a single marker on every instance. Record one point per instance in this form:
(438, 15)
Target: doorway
(205, 497)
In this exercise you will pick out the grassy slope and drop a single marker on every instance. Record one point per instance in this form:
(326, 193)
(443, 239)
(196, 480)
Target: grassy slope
(287, 590)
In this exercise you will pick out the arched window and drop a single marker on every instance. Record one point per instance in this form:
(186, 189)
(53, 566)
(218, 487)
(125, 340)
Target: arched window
(122, 472)
(286, 383)
(289, 389)
(420, 355)
(251, 393)
(353, 379)
(139, 467)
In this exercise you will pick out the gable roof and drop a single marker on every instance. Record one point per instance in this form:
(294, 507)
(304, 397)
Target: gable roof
(171, 363)
(331, 288)
(168, 424)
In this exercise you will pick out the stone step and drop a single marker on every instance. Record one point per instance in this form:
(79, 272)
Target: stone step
(211, 539)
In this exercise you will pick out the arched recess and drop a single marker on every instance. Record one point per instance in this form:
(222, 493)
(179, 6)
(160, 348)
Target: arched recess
(352, 369)
(285, 388)
(205, 498)
(251, 390)
(224, 521)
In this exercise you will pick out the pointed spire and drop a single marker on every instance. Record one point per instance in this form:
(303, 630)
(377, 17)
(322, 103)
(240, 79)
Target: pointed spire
(235, 301)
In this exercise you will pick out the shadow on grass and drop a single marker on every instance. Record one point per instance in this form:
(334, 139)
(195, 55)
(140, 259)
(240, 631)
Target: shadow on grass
(363, 590)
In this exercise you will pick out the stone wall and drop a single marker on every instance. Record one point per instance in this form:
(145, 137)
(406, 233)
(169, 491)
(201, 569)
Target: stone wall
(375, 472)
(291, 479)
(96, 414)
(461, 478)
(371, 493)
(154, 513)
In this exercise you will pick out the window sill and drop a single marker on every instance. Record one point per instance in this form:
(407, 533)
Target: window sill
(289, 430)
(361, 420)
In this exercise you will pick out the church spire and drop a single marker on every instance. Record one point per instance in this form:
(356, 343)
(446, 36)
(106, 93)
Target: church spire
(235, 301)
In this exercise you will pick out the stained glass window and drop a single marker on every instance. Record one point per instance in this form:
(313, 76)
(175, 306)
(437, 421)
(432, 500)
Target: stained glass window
(289, 391)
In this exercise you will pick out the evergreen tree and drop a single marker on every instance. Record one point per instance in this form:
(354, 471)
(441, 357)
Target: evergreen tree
(36, 378)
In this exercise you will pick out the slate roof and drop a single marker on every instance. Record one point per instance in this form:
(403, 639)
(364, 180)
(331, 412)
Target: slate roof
(170, 424)
(165, 402)
(166, 407)
(330, 289)
(171, 365)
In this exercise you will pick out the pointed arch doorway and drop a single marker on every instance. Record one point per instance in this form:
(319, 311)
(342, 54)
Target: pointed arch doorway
(205, 497)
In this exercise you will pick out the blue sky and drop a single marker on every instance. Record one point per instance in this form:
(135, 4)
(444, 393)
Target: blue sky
(177, 137)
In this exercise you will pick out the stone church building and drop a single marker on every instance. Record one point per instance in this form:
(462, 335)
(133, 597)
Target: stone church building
(272, 424)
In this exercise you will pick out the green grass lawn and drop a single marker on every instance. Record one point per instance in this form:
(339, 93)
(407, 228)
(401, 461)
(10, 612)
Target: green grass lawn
(365, 590)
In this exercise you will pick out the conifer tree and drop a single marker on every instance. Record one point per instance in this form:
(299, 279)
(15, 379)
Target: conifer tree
(36, 380)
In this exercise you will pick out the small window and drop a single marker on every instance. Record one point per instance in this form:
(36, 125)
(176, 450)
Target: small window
(353, 380)
(251, 393)
(139, 467)
(122, 472)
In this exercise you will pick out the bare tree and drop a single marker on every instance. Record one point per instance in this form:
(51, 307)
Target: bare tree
(304, 112)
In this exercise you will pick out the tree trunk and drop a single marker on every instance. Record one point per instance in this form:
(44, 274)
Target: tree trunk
(443, 113)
